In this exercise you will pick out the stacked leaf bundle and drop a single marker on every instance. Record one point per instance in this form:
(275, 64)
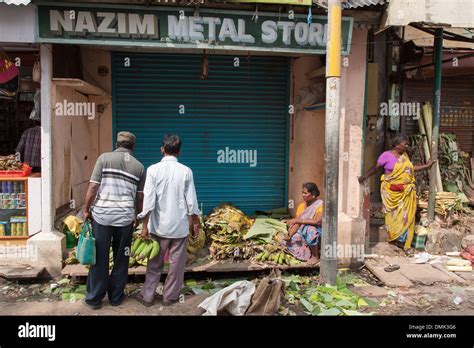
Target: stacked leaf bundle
(226, 226)
(447, 203)
(233, 236)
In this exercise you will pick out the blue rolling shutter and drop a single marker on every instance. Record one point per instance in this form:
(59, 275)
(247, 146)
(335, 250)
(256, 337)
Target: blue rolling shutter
(238, 108)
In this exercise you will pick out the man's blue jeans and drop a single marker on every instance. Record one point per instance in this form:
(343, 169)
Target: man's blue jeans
(99, 282)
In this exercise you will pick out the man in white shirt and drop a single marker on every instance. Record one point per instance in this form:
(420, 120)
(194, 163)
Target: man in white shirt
(170, 212)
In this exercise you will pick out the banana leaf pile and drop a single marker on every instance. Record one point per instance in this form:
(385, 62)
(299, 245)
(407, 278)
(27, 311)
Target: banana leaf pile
(324, 300)
(226, 226)
(235, 236)
(446, 203)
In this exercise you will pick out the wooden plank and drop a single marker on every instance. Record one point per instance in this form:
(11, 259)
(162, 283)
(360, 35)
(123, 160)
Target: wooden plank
(80, 86)
(20, 272)
(392, 279)
(78, 270)
(372, 89)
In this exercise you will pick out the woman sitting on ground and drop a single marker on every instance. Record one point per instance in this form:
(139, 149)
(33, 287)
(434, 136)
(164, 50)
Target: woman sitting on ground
(305, 230)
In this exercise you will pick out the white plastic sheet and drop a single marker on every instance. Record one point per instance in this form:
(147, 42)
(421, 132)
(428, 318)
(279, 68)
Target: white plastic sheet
(235, 299)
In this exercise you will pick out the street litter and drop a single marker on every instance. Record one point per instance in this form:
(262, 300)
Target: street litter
(459, 268)
(234, 298)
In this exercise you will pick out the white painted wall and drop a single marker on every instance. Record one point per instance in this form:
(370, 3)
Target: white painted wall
(17, 23)
(34, 205)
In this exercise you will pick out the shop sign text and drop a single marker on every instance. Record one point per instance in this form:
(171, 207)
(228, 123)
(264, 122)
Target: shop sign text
(182, 28)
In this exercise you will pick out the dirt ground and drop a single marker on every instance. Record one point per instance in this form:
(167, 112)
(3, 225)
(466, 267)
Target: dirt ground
(20, 298)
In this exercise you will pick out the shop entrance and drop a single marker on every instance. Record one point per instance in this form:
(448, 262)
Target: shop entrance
(232, 113)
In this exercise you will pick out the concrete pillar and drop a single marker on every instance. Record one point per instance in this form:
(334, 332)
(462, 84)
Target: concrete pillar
(351, 224)
(48, 244)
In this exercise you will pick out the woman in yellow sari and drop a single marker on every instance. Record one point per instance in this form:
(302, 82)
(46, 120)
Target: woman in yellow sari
(398, 191)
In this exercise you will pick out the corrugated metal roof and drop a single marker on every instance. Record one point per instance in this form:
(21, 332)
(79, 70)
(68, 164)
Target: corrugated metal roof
(16, 2)
(352, 3)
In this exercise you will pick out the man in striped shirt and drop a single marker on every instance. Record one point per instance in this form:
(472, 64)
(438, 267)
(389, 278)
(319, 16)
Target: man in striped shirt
(114, 197)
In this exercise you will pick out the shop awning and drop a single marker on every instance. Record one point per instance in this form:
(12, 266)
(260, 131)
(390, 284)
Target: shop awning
(429, 12)
(351, 4)
(16, 2)
(422, 39)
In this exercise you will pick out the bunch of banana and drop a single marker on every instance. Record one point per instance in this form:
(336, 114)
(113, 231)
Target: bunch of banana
(9, 163)
(131, 262)
(144, 249)
(196, 244)
(279, 258)
(143, 262)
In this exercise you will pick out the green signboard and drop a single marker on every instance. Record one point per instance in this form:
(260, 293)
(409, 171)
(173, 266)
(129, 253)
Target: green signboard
(281, 2)
(183, 28)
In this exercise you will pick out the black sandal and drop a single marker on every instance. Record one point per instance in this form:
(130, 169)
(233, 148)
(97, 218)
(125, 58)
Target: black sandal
(391, 268)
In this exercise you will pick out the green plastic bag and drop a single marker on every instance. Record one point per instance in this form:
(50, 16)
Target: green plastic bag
(71, 239)
(85, 252)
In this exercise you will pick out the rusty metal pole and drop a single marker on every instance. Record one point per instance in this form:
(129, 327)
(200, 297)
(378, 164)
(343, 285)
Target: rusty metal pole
(438, 48)
(331, 158)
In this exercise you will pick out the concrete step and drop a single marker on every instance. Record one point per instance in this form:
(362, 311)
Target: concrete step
(20, 272)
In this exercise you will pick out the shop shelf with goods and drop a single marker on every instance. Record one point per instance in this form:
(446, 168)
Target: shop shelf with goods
(13, 208)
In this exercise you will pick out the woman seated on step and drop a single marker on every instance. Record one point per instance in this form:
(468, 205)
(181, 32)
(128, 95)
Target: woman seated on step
(304, 231)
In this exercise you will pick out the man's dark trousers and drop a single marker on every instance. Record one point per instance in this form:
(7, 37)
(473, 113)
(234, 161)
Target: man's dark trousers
(99, 282)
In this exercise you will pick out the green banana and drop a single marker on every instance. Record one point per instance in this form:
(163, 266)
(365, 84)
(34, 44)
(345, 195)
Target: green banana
(146, 251)
(139, 250)
(154, 250)
(136, 243)
(131, 261)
